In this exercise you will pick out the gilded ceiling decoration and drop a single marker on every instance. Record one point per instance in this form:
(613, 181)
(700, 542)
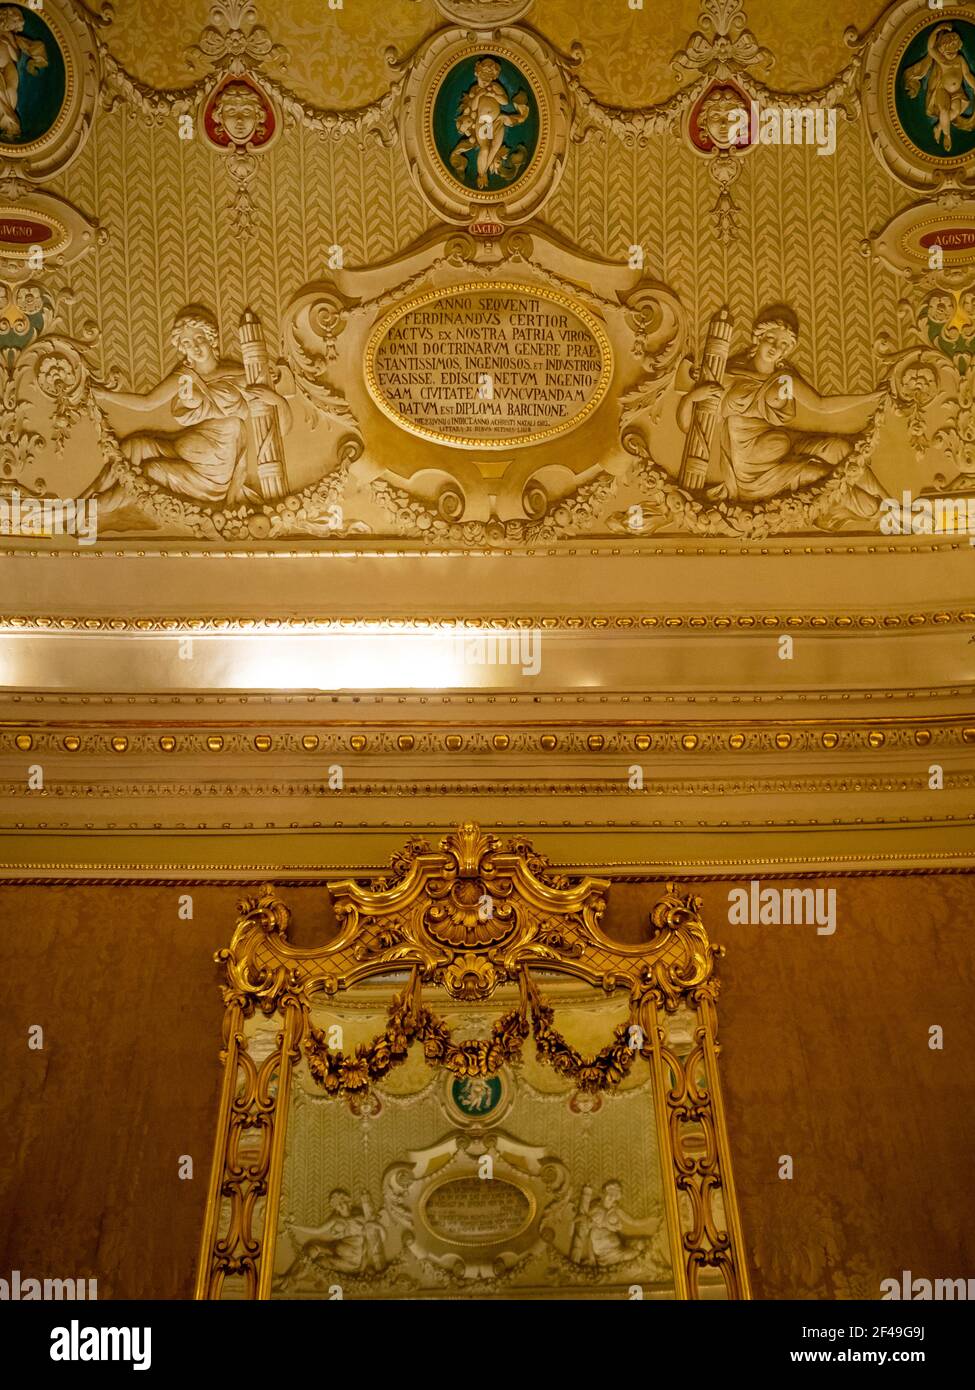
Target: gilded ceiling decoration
(466, 292)
(343, 53)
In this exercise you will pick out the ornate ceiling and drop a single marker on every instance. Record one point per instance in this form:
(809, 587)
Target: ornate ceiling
(233, 197)
(356, 380)
(627, 60)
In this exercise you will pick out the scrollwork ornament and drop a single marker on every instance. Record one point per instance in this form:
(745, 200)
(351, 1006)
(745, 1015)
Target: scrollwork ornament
(413, 917)
(685, 960)
(314, 322)
(38, 359)
(251, 983)
(957, 440)
(931, 377)
(708, 1241)
(658, 322)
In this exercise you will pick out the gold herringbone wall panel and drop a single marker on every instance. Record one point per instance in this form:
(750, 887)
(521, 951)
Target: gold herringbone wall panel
(165, 204)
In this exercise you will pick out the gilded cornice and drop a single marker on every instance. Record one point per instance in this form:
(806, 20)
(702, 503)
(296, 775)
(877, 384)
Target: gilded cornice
(495, 543)
(822, 620)
(477, 788)
(705, 869)
(100, 711)
(415, 731)
(499, 736)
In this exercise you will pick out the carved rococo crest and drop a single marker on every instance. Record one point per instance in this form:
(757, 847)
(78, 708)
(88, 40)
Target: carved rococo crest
(469, 916)
(445, 911)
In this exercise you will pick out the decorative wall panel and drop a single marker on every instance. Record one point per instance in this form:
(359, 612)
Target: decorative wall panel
(191, 358)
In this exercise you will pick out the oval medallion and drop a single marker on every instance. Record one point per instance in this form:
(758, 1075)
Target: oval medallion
(33, 78)
(471, 1213)
(475, 1097)
(18, 233)
(494, 366)
(934, 89)
(485, 122)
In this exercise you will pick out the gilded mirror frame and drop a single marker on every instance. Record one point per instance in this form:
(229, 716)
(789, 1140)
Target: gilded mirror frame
(426, 918)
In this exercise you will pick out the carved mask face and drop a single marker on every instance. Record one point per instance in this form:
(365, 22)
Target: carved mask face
(721, 120)
(238, 112)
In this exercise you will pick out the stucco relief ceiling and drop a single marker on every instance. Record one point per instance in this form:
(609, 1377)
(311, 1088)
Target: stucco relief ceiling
(378, 323)
(338, 57)
(241, 289)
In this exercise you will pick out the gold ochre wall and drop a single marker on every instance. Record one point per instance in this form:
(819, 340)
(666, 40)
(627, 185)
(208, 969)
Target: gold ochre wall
(825, 1057)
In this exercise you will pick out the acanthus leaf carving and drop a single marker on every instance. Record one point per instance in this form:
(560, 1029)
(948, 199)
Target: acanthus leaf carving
(235, 39)
(39, 358)
(723, 44)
